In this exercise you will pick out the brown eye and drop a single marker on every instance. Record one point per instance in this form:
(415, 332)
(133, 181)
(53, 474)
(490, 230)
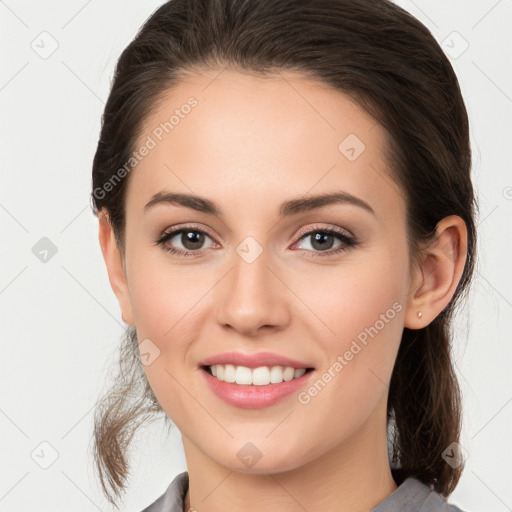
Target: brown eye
(323, 240)
(192, 240)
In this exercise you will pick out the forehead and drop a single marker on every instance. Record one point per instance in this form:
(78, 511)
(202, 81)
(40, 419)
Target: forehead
(244, 138)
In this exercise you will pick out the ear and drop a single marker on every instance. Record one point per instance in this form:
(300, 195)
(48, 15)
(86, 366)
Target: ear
(115, 266)
(435, 280)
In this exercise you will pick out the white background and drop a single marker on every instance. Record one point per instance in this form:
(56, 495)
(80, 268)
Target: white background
(60, 320)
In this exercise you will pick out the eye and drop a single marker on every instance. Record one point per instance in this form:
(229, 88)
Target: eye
(321, 240)
(192, 239)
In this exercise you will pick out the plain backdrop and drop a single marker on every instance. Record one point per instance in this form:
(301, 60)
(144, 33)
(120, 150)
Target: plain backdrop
(60, 321)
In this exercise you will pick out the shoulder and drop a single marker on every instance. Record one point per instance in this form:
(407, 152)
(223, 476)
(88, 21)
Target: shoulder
(172, 499)
(412, 495)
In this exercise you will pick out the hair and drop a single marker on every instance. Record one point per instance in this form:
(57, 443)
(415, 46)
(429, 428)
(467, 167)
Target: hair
(390, 64)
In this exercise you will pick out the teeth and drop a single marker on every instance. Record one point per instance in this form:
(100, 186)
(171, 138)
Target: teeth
(229, 373)
(299, 373)
(243, 375)
(288, 373)
(276, 374)
(260, 376)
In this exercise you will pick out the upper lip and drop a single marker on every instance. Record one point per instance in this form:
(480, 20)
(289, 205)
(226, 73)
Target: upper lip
(253, 360)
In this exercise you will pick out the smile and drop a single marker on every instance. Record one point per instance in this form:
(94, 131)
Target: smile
(260, 376)
(253, 380)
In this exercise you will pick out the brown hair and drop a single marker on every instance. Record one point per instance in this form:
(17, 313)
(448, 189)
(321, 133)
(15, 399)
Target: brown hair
(385, 59)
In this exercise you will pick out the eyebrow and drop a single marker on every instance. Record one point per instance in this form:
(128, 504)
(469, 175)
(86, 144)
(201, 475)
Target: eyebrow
(288, 208)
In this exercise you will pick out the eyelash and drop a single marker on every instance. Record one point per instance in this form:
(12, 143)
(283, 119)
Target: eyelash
(347, 241)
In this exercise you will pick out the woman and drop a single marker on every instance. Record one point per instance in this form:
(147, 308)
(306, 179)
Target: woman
(287, 218)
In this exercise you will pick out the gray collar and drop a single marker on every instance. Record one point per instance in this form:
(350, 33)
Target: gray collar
(412, 495)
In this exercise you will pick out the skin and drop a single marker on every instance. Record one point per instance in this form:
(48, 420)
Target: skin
(250, 144)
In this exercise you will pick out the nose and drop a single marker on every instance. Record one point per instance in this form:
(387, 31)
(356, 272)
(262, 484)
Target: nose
(253, 298)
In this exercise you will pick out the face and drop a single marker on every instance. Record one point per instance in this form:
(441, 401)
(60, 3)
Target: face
(316, 286)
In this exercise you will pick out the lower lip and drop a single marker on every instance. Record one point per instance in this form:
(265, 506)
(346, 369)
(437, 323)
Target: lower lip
(251, 396)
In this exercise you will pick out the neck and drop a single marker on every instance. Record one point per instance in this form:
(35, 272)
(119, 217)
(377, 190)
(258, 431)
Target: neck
(354, 476)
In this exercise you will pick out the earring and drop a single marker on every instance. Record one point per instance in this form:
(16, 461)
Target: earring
(420, 314)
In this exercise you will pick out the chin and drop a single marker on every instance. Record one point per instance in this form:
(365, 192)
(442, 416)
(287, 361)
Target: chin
(250, 460)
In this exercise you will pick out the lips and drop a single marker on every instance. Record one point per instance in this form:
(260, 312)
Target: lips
(254, 380)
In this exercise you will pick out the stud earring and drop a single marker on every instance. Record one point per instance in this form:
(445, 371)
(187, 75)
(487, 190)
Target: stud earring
(420, 314)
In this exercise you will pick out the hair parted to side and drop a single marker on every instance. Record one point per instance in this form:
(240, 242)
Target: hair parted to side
(387, 61)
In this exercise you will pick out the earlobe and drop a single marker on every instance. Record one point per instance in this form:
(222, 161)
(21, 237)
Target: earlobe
(439, 273)
(115, 268)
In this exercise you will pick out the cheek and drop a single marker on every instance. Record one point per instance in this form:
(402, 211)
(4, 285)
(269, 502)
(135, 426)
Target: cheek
(169, 303)
(364, 308)
(163, 295)
(369, 292)
(354, 381)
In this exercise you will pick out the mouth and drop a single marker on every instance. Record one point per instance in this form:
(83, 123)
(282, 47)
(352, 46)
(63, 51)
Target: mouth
(259, 376)
(254, 380)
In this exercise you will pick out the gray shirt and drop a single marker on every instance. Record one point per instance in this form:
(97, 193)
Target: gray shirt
(411, 496)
